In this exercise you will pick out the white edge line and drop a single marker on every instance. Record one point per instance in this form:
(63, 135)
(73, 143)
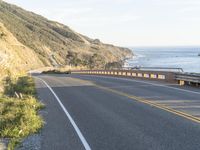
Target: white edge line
(133, 80)
(83, 140)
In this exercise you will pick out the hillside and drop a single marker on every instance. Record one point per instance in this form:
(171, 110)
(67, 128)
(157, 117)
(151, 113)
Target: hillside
(32, 40)
(14, 56)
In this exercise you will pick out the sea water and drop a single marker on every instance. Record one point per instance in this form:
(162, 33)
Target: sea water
(173, 57)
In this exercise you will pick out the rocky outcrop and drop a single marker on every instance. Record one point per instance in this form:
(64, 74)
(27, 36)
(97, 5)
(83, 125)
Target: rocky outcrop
(48, 38)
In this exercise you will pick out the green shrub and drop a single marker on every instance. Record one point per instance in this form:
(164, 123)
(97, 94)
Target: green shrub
(54, 71)
(24, 85)
(19, 114)
(19, 118)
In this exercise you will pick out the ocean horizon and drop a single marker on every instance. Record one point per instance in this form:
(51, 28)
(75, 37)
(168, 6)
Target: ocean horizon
(170, 57)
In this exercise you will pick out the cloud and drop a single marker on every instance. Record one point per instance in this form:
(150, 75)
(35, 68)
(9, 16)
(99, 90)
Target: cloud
(124, 21)
(177, 2)
(189, 9)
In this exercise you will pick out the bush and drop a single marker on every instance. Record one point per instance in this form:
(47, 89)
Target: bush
(19, 110)
(23, 85)
(54, 71)
(114, 65)
(19, 117)
(2, 34)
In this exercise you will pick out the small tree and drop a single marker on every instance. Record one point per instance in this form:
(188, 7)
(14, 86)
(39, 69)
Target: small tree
(96, 61)
(114, 65)
(72, 59)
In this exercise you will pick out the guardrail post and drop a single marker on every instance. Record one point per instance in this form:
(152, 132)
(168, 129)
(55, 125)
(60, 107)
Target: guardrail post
(181, 82)
(134, 74)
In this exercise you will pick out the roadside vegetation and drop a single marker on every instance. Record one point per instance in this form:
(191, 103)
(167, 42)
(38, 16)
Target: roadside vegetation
(19, 110)
(56, 71)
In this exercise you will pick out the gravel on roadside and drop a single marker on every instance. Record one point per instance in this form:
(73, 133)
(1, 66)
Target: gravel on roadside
(4, 144)
(32, 142)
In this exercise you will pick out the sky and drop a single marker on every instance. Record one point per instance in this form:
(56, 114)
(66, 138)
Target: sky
(126, 22)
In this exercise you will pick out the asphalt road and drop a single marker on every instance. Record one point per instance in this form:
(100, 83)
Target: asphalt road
(107, 113)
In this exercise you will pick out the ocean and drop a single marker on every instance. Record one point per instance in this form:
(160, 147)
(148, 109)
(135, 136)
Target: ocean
(174, 57)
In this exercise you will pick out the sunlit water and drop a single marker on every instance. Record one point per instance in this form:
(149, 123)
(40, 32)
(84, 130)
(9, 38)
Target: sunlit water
(179, 57)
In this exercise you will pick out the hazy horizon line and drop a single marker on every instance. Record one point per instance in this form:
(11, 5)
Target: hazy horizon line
(164, 46)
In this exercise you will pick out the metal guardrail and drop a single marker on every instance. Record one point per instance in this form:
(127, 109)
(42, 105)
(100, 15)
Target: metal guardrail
(144, 74)
(173, 77)
(189, 78)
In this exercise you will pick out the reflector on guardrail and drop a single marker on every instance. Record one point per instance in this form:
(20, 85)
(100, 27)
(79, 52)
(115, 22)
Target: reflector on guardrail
(134, 74)
(161, 76)
(128, 74)
(153, 76)
(139, 74)
(146, 75)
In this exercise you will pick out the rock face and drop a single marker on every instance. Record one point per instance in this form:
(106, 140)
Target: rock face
(14, 56)
(51, 40)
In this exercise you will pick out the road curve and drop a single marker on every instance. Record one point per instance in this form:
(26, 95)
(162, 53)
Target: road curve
(106, 113)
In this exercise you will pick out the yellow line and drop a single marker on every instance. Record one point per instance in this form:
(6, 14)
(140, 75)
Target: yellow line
(190, 106)
(174, 101)
(139, 99)
(179, 113)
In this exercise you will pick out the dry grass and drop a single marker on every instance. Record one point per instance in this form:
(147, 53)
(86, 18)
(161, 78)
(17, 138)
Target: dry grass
(15, 56)
(19, 110)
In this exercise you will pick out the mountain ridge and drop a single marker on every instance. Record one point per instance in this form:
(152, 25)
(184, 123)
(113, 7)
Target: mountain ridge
(49, 39)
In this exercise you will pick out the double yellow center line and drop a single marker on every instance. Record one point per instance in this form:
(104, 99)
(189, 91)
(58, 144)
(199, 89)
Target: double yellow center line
(139, 99)
(142, 100)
